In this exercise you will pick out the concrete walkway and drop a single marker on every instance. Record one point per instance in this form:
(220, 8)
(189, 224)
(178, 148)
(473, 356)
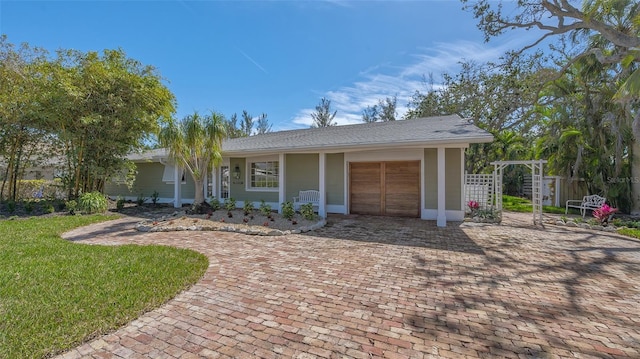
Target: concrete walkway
(370, 287)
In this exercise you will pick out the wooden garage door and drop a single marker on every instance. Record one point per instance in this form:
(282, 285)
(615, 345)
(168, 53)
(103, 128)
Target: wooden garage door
(385, 188)
(365, 187)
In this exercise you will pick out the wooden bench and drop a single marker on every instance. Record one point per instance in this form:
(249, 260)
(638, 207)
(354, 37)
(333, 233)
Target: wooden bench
(309, 196)
(587, 203)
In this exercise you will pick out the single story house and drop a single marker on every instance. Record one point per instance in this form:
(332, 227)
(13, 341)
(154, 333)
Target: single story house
(412, 168)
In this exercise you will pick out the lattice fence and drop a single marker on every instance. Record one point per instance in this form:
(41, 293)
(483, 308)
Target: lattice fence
(479, 188)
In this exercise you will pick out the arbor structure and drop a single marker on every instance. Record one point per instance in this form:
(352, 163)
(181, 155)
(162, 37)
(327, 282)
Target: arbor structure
(195, 143)
(323, 117)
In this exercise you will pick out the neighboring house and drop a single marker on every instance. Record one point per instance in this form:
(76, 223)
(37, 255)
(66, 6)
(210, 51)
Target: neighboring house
(411, 168)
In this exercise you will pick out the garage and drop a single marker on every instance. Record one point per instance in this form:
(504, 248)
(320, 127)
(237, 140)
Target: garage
(389, 188)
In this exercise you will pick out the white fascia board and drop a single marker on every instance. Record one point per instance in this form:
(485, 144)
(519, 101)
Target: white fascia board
(357, 147)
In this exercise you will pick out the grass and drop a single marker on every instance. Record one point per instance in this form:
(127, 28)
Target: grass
(518, 204)
(56, 294)
(630, 232)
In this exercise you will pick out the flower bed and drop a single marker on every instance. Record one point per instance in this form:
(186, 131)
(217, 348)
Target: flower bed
(253, 223)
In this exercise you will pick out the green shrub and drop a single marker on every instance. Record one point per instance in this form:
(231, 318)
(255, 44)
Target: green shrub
(28, 207)
(140, 200)
(71, 206)
(60, 205)
(48, 208)
(287, 210)
(119, 203)
(10, 206)
(154, 197)
(248, 207)
(265, 208)
(92, 202)
(215, 204)
(230, 204)
(307, 211)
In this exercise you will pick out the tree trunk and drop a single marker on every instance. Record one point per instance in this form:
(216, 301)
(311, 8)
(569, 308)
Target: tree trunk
(635, 178)
(199, 191)
(79, 163)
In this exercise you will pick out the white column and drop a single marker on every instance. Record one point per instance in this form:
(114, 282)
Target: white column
(322, 211)
(214, 182)
(423, 188)
(205, 187)
(282, 194)
(441, 220)
(462, 189)
(177, 186)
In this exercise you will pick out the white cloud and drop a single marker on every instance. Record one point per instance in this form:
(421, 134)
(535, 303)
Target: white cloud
(385, 80)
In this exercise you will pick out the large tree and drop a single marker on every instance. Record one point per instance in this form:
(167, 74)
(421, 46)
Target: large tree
(101, 108)
(195, 143)
(584, 133)
(497, 97)
(323, 117)
(607, 30)
(383, 111)
(246, 126)
(21, 134)
(262, 125)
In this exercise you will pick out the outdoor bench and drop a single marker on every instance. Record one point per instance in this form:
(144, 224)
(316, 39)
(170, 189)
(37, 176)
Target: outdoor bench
(587, 203)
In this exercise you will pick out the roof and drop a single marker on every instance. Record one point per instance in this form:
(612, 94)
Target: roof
(419, 131)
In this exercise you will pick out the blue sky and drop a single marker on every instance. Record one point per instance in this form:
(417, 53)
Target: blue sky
(273, 57)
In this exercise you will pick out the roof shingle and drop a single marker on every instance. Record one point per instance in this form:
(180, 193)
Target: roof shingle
(419, 131)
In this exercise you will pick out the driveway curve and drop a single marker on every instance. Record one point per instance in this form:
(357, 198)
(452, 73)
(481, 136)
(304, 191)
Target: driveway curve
(371, 287)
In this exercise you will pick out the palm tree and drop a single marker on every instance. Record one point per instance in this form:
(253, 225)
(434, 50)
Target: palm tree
(195, 143)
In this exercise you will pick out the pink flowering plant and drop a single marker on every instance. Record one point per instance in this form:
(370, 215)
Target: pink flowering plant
(473, 206)
(603, 214)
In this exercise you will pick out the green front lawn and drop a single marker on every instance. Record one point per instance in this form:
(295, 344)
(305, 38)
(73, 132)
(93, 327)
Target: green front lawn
(630, 232)
(55, 294)
(518, 204)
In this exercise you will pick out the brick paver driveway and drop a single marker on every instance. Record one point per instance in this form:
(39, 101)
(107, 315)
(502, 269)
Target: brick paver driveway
(366, 287)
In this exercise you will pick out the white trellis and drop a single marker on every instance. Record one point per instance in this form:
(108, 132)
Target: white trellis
(537, 173)
(479, 188)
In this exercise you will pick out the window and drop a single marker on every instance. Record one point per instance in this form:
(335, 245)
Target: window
(168, 174)
(264, 175)
(224, 182)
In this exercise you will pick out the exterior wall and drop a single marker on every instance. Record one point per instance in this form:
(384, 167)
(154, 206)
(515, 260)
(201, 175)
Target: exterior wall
(302, 173)
(335, 178)
(430, 178)
(453, 174)
(575, 189)
(238, 189)
(148, 180)
(38, 173)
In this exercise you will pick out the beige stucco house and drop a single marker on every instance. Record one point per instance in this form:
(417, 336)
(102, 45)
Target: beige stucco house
(412, 168)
